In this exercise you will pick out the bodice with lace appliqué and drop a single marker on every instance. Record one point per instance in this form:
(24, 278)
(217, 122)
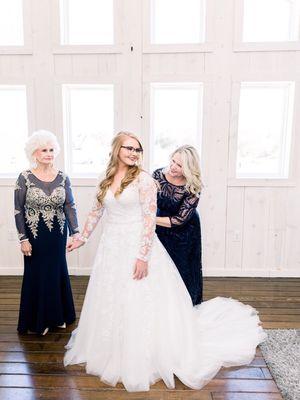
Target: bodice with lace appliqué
(136, 204)
(35, 199)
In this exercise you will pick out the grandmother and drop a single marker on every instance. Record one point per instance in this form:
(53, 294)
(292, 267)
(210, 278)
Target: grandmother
(44, 212)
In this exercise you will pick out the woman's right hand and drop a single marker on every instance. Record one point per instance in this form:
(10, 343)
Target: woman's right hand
(74, 244)
(26, 248)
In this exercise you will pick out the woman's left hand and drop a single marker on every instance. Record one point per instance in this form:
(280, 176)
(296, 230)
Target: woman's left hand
(140, 270)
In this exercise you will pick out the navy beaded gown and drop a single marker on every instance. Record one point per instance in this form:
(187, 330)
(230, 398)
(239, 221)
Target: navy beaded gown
(183, 240)
(44, 211)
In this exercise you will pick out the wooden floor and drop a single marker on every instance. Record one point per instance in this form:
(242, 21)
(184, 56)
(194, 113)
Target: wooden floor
(31, 366)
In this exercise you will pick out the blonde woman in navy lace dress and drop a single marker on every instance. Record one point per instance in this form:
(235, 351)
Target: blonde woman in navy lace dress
(44, 211)
(178, 222)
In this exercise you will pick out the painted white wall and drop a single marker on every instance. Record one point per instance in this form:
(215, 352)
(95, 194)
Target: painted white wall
(249, 227)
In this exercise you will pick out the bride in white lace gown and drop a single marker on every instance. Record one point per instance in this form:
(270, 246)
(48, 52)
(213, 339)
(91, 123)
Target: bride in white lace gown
(138, 324)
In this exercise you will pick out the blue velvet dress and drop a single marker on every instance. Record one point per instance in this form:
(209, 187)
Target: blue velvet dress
(43, 212)
(183, 240)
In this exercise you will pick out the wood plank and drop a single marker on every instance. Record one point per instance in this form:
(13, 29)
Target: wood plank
(247, 396)
(241, 373)
(32, 365)
(242, 385)
(69, 394)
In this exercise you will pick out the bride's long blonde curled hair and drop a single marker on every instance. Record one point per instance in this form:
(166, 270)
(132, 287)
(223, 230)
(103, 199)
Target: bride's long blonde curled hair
(112, 167)
(190, 168)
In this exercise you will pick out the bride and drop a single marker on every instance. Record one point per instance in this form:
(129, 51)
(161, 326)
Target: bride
(138, 324)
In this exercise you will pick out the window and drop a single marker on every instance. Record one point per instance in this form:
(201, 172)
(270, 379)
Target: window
(11, 23)
(176, 116)
(86, 22)
(13, 129)
(271, 20)
(177, 21)
(264, 129)
(88, 127)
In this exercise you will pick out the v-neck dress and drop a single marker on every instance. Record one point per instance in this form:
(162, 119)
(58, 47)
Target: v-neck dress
(43, 213)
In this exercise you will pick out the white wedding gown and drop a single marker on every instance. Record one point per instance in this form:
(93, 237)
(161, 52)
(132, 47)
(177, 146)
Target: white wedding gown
(139, 331)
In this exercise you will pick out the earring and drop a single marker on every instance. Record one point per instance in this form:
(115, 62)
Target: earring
(34, 164)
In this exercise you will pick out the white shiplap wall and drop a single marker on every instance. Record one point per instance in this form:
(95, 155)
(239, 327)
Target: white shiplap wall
(249, 228)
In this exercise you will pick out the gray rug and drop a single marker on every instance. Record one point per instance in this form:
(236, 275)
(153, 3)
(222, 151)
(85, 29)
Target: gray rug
(281, 352)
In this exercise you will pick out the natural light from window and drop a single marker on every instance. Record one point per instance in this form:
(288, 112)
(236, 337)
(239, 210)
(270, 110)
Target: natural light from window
(176, 118)
(88, 127)
(86, 22)
(13, 129)
(264, 129)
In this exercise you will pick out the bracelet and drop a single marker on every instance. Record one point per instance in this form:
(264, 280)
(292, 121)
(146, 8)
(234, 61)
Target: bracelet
(82, 238)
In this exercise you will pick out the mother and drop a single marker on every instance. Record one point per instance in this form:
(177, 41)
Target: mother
(178, 223)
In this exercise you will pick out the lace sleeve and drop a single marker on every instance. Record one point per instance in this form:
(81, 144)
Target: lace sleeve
(70, 208)
(156, 174)
(93, 217)
(186, 211)
(19, 199)
(147, 192)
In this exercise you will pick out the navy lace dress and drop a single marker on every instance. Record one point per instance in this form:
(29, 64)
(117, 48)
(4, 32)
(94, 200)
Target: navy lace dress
(43, 212)
(183, 239)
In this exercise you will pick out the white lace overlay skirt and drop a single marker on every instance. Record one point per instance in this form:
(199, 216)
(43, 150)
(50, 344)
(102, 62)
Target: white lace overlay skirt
(137, 332)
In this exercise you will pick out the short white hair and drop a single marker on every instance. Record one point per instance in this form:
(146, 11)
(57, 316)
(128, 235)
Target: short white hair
(39, 139)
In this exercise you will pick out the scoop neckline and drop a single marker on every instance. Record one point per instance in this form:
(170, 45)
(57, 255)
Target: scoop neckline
(58, 173)
(173, 184)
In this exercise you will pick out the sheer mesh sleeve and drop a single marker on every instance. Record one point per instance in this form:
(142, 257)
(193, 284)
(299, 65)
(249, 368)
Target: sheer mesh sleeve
(93, 217)
(156, 174)
(19, 199)
(186, 211)
(147, 192)
(70, 209)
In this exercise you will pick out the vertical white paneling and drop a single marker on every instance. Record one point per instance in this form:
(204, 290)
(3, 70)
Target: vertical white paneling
(63, 65)
(132, 66)
(11, 258)
(234, 229)
(86, 254)
(292, 262)
(255, 235)
(85, 66)
(277, 229)
(246, 230)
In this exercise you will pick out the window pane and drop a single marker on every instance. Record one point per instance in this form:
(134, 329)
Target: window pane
(270, 20)
(86, 22)
(13, 128)
(177, 21)
(11, 23)
(264, 129)
(175, 118)
(88, 126)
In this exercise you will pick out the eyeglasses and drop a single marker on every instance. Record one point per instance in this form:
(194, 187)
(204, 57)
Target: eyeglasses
(133, 149)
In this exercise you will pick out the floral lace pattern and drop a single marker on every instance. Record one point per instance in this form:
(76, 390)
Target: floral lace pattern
(31, 203)
(180, 204)
(147, 197)
(147, 192)
(92, 219)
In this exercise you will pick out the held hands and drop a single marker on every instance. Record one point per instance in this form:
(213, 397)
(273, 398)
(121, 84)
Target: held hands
(140, 270)
(26, 248)
(74, 244)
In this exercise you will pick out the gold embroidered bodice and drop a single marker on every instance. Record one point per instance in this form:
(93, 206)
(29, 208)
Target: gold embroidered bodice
(35, 199)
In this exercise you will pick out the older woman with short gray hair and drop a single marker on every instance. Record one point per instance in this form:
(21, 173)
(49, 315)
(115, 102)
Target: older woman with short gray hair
(44, 211)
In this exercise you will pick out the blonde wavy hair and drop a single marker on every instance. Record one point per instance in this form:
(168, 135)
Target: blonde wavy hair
(190, 168)
(112, 167)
